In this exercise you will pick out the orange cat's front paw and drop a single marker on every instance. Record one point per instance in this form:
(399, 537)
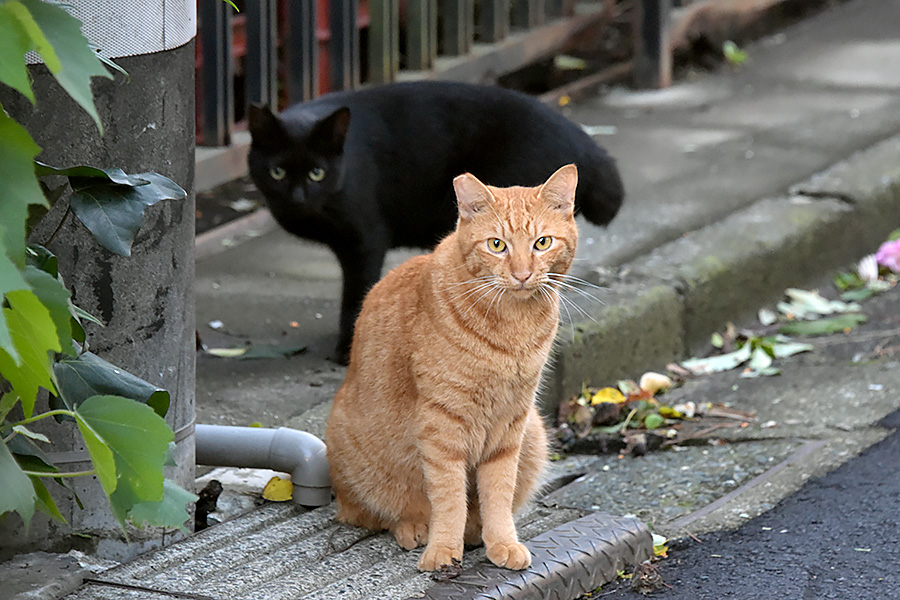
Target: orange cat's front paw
(436, 556)
(511, 555)
(411, 535)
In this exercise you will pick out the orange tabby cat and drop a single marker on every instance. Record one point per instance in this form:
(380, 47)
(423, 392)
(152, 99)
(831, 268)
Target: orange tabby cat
(434, 434)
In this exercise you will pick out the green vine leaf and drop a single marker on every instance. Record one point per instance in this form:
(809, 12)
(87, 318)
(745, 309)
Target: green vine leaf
(39, 257)
(19, 33)
(113, 213)
(30, 456)
(10, 280)
(89, 375)
(139, 439)
(7, 401)
(44, 501)
(20, 188)
(55, 297)
(101, 455)
(16, 494)
(76, 63)
(114, 175)
(34, 335)
(171, 511)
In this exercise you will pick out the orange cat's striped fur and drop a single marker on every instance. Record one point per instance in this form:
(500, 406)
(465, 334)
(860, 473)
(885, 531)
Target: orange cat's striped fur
(434, 434)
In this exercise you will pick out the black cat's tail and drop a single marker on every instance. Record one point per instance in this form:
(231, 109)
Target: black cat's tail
(600, 191)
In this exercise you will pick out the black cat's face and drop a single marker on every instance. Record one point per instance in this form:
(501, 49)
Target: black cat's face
(297, 165)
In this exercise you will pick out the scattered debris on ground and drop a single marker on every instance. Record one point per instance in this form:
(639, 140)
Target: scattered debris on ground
(630, 419)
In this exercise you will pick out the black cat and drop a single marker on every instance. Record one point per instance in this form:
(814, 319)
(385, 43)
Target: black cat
(383, 179)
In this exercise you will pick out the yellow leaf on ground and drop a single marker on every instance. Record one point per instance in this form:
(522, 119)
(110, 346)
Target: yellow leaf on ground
(608, 394)
(278, 490)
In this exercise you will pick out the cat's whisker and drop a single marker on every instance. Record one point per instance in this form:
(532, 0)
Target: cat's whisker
(494, 286)
(500, 291)
(468, 281)
(553, 294)
(576, 279)
(578, 309)
(569, 319)
(471, 292)
(572, 288)
(572, 279)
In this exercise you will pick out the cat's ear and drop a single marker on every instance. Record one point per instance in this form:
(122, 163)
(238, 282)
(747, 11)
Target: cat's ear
(265, 127)
(559, 190)
(330, 133)
(472, 196)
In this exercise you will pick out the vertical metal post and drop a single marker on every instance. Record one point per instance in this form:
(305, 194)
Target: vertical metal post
(458, 25)
(555, 8)
(261, 66)
(527, 14)
(652, 55)
(494, 22)
(344, 47)
(421, 34)
(302, 52)
(384, 40)
(217, 78)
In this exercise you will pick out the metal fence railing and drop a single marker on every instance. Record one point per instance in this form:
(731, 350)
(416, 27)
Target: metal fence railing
(280, 52)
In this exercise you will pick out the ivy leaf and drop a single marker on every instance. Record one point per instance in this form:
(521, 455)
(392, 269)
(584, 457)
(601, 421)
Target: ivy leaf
(171, 511)
(136, 436)
(39, 257)
(76, 63)
(30, 456)
(114, 175)
(20, 188)
(7, 401)
(34, 336)
(19, 33)
(114, 213)
(10, 280)
(44, 501)
(89, 375)
(55, 298)
(101, 455)
(16, 493)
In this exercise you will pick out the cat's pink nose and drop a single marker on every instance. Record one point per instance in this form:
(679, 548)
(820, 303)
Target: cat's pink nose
(521, 276)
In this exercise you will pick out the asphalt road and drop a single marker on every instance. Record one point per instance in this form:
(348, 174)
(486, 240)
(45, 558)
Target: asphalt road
(837, 537)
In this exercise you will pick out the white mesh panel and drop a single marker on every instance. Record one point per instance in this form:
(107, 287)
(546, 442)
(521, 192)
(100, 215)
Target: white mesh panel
(131, 27)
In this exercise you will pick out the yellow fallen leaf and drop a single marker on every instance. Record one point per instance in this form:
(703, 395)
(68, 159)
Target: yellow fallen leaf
(227, 352)
(670, 413)
(608, 394)
(660, 545)
(278, 490)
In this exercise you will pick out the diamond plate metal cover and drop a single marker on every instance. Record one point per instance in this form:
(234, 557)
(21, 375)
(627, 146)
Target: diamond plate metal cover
(567, 561)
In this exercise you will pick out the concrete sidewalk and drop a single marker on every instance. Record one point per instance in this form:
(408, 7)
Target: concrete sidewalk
(740, 184)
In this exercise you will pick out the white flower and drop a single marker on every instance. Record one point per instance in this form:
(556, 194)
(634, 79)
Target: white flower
(868, 268)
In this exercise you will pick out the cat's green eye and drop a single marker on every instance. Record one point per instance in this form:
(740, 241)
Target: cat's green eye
(317, 174)
(496, 245)
(543, 242)
(277, 173)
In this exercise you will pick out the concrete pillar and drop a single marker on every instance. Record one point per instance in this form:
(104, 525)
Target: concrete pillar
(146, 300)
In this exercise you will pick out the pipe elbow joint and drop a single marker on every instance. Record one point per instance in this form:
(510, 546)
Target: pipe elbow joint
(303, 455)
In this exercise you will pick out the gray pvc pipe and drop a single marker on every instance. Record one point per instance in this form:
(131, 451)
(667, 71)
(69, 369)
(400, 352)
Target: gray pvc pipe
(296, 452)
